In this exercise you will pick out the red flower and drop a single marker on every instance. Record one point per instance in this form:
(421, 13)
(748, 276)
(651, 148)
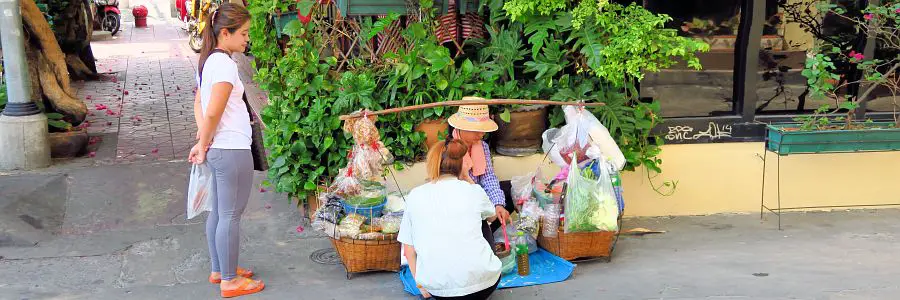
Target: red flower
(869, 16)
(304, 19)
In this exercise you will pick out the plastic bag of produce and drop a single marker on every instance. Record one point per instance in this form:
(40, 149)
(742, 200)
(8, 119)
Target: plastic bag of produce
(522, 188)
(200, 191)
(587, 138)
(590, 200)
(391, 224)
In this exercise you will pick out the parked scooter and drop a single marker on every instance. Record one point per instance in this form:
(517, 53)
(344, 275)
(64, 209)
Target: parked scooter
(106, 13)
(198, 11)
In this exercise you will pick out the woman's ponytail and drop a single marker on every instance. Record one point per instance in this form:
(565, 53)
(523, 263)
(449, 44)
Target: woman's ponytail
(446, 158)
(229, 16)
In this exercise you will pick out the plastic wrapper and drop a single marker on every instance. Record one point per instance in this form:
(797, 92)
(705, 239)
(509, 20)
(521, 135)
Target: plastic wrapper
(366, 162)
(351, 225)
(391, 224)
(590, 201)
(201, 193)
(330, 209)
(511, 231)
(345, 184)
(522, 188)
(395, 203)
(529, 220)
(508, 264)
(586, 138)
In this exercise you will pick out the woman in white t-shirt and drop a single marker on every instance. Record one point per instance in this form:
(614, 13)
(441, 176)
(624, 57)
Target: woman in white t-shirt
(224, 138)
(441, 233)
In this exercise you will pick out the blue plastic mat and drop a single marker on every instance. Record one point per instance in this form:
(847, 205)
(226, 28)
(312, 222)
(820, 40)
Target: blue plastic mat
(545, 268)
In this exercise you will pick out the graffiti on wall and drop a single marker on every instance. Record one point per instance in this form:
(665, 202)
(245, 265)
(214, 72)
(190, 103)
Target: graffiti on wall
(686, 133)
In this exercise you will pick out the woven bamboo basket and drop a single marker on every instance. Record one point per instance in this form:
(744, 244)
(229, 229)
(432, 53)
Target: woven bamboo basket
(359, 256)
(581, 246)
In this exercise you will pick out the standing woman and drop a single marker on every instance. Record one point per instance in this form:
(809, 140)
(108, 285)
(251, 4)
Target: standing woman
(224, 138)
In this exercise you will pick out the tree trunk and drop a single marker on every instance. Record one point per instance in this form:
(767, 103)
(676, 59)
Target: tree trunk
(40, 31)
(62, 102)
(32, 54)
(78, 68)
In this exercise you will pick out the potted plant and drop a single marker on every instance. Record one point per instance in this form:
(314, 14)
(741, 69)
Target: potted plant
(843, 128)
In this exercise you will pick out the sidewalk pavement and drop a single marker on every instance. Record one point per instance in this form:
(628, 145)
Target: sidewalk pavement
(144, 102)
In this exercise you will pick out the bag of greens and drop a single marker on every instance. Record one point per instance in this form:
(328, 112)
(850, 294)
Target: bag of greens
(590, 200)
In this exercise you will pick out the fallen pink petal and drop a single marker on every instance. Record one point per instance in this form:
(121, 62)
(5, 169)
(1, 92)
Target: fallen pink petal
(268, 206)
(92, 154)
(262, 190)
(154, 151)
(300, 229)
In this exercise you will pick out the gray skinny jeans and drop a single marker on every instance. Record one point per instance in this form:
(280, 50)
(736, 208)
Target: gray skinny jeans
(233, 171)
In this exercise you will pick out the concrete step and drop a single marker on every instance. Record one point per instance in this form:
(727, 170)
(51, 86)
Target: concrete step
(101, 36)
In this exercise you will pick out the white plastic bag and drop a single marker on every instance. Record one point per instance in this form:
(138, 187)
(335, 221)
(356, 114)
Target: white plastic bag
(584, 135)
(200, 191)
(522, 188)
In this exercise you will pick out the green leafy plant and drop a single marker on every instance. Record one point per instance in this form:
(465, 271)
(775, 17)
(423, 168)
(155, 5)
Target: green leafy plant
(823, 77)
(592, 51)
(311, 82)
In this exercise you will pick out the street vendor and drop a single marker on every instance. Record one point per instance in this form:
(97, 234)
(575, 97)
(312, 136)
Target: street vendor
(439, 233)
(469, 124)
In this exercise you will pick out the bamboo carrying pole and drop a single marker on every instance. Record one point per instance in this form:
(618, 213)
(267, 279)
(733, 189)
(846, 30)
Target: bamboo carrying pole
(469, 101)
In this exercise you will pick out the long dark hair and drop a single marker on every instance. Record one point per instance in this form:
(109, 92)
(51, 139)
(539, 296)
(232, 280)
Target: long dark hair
(229, 16)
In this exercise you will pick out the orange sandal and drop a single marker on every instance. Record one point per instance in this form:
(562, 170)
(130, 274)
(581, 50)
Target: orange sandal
(240, 272)
(242, 289)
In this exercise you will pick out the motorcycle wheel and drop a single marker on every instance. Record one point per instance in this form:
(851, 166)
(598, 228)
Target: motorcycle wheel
(195, 41)
(111, 23)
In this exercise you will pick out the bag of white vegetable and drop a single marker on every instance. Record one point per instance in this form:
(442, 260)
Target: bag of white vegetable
(590, 200)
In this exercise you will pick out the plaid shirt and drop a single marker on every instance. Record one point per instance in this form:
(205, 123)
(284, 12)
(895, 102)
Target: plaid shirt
(489, 181)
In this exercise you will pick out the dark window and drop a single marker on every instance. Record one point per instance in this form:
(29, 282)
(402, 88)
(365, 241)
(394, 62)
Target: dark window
(685, 92)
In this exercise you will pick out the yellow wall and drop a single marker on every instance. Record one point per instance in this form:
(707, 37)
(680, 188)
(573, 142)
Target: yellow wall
(727, 178)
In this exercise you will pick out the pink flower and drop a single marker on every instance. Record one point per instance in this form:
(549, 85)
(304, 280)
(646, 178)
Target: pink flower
(300, 229)
(855, 57)
(897, 11)
(869, 16)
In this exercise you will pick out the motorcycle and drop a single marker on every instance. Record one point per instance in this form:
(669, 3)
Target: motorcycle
(198, 10)
(107, 14)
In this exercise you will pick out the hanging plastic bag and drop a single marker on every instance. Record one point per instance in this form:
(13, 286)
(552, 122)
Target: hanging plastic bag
(587, 138)
(200, 191)
(590, 200)
(522, 188)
